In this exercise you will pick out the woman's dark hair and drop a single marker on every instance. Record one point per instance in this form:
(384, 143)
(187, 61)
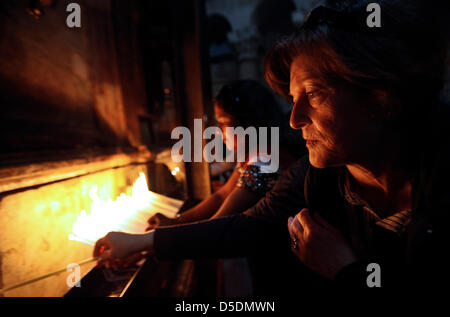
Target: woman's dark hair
(400, 63)
(251, 104)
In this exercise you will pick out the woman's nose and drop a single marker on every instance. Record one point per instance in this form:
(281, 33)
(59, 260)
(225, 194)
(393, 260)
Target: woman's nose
(299, 117)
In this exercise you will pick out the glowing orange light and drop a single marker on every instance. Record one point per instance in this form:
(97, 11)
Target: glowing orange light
(128, 213)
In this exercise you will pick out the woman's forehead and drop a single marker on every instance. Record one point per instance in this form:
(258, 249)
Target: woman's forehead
(302, 69)
(301, 72)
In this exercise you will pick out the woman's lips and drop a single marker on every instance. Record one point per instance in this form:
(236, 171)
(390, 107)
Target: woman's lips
(311, 142)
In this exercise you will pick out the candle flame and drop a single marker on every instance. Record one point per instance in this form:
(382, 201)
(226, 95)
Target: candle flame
(128, 213)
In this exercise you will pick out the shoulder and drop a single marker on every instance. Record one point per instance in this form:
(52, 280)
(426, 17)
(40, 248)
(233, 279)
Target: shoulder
(257, 176)
(286, 198)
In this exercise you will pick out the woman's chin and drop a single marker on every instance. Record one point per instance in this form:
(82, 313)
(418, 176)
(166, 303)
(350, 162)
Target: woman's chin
(318, 161)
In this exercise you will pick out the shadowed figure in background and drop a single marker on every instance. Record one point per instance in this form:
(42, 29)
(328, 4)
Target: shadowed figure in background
(243, 103)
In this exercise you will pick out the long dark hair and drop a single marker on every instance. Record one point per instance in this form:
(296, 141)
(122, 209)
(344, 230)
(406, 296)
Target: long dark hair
(251, 104)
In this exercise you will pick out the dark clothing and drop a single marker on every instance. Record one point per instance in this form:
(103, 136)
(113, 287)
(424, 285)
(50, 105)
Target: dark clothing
(260, 233)
(414, 258)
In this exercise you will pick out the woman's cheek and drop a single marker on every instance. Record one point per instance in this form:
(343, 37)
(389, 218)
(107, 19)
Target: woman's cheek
(229, 145)
(230, 142)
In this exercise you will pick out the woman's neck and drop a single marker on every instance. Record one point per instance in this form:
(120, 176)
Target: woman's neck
(386, 182)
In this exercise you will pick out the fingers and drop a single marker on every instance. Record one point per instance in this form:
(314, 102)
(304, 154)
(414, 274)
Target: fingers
(106, 255)
(153, 222)
(99, 247)
(290, 220)
(296, 226)
(296, 229)
(305, 220)
(313, 222)
(102, 249)
(296, 233)
(318, 219)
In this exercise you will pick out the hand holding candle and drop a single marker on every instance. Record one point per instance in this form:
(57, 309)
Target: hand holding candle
(160, 220)
(118, 245)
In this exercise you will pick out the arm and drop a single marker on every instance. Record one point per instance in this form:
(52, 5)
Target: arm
(234, 236)
(251, 186)
(210, 205)
(201, 211)
(239, 200)
(259, 230)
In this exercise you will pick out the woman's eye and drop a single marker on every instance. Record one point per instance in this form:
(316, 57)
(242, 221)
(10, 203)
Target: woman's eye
(316, 96)
(310, 94)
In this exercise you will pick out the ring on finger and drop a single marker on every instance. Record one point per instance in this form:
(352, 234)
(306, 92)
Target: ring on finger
(294, 243)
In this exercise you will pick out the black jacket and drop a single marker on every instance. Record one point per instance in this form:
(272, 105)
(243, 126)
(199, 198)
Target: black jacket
(260, 233)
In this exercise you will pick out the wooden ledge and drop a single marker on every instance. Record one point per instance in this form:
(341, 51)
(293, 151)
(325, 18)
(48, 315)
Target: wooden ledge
(34, 174)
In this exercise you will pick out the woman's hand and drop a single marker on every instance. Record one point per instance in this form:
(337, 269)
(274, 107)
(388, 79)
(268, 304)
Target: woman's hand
(159, 220)
(119, 245)
(318, 245)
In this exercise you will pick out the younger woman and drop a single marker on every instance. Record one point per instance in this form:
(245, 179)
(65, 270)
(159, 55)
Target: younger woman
(246, 104)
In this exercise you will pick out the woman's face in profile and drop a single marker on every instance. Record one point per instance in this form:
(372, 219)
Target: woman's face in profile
(334, 120)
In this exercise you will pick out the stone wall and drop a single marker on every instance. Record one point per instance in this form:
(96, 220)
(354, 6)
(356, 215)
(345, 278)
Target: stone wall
(63, 88)
(35, 225)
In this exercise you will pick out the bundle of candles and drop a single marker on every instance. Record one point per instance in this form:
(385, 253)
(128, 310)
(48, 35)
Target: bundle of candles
(127, 213)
